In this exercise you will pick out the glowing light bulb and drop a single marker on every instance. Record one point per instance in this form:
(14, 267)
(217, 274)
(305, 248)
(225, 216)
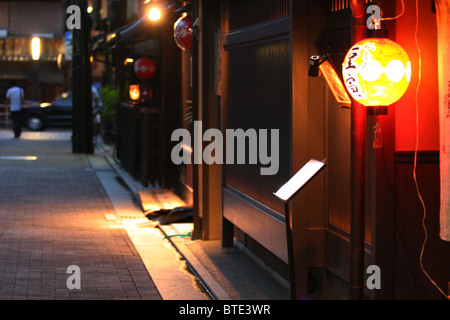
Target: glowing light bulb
(154, 14)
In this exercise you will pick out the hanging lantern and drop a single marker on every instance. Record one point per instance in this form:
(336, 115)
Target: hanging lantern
(145, 68)
(134, 92)
(376, 72)
(182, 31)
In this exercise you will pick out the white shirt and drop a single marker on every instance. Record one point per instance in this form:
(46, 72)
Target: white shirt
(15, 94)
(94, 97)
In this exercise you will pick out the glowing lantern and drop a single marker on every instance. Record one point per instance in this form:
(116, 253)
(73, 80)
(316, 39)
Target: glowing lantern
(145, 68)
(135, 92)
(376, 72)
(182, 31)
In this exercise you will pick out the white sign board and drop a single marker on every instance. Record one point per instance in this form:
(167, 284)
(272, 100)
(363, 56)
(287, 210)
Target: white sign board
(300, 179)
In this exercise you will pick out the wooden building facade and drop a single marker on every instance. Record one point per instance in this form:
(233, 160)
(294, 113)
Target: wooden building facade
(263, 83)
(248, 69)
(42, 80)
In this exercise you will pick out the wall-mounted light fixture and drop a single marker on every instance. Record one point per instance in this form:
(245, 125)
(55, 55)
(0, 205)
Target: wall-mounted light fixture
(128, 61)
(314, 64)
(90, 7)
(158, 8)
(334, 82)
(154, 13)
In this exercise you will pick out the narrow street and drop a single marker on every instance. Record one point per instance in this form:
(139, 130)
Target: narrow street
(55, 213)
(247, 150)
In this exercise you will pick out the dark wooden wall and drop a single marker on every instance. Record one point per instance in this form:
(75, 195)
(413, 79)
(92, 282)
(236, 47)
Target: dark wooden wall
(267, 87)
(170, 103)
(257, 95)
(258, 92)
(410, 281)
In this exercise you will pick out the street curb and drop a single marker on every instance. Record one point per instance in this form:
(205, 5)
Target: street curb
(211, 285)
(215, 290)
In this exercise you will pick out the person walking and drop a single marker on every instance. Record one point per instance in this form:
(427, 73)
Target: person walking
(15, 98)
(96, 110)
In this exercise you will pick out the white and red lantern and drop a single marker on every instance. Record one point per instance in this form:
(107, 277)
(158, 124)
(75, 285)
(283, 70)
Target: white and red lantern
(182, 31)
(145, 68)
(376, 72)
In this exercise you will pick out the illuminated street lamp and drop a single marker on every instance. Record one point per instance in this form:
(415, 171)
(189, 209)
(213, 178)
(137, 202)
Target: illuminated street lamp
(35, 55)
(90, 7)
(35, 48)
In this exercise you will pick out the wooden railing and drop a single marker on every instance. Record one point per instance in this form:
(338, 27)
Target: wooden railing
(139, 146)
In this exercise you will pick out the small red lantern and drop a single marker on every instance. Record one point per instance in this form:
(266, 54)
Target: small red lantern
(377, 72)
(182, 31)
(145, 68)
(135, 92)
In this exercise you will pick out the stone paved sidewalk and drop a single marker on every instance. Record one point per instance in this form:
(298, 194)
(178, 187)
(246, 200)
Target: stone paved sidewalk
(52, 216)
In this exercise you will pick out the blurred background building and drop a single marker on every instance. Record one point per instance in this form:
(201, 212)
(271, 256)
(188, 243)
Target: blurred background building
(20, 21)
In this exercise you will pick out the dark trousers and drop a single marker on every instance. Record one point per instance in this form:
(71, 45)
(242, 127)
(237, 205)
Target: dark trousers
(16, 117)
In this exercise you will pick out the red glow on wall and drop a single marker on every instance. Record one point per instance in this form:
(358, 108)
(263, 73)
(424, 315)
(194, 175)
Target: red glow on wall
(428, 103)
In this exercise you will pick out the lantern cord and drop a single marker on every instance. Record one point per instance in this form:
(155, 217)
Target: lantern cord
(416, 153)
(403, 11)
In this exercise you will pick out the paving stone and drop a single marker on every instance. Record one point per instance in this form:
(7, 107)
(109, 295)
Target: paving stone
(52, 215)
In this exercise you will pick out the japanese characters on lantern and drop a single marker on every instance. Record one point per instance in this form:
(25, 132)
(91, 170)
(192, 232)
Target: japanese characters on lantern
(376, 72)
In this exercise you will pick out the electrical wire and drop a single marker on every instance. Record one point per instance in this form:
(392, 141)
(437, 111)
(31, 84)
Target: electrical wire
(416, 38)
(403, 11)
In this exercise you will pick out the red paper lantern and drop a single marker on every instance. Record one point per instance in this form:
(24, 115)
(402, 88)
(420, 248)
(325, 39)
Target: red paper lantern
(135, 92)
(182, 31)
(376, 72)
(145, 68)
